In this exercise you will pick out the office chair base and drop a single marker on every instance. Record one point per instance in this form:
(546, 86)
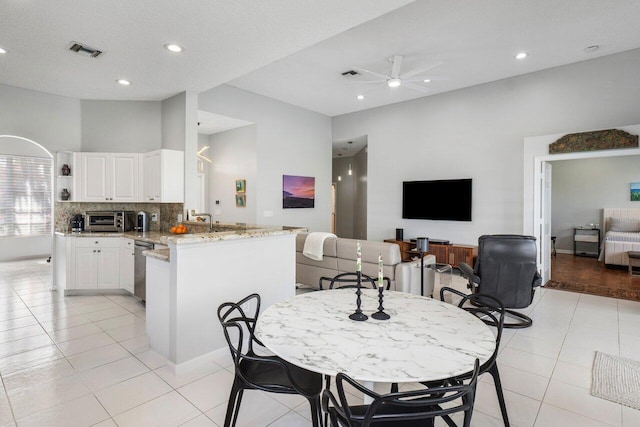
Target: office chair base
(522, 320)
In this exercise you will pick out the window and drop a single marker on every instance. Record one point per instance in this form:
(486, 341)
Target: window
(25, 196)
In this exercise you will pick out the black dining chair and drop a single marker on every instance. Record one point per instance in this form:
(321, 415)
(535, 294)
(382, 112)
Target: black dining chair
(350, 280)
(261, 372)
(491, 311)
(415, 408)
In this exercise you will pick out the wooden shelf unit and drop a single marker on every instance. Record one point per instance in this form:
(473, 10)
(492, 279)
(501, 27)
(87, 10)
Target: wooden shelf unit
(445, 254)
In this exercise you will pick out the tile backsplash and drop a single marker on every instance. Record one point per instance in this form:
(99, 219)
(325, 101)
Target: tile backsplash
(167, 212)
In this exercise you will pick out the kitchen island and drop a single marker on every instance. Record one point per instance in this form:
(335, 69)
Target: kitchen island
(187, 283)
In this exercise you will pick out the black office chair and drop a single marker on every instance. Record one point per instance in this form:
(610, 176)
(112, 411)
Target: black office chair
(506, 268)
(256, 372)
(415, 408)
(350, 280)
(492, 312)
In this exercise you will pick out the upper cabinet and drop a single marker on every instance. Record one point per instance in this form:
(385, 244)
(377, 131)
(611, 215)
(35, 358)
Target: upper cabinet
(110, 177)
(163, 176)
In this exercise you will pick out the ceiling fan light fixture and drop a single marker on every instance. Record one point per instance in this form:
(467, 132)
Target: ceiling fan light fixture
(394, 82)
(522, 55)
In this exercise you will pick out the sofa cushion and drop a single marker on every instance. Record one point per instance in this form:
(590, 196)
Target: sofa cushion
(346, 249)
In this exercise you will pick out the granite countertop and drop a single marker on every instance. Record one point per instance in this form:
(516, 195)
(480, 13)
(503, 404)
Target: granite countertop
(221, 231)
(161, 254)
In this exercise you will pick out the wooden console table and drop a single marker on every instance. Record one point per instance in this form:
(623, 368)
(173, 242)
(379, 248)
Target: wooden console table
(445, 254)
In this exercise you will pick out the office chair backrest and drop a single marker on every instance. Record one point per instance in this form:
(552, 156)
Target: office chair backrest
(507, 267)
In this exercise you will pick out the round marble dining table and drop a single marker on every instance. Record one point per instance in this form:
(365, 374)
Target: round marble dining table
(425, 339)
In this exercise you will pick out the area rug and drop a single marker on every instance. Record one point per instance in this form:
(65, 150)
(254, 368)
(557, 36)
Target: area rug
(616, 379)
(604, 291)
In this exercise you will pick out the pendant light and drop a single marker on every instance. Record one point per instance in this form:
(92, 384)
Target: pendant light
(350, 171)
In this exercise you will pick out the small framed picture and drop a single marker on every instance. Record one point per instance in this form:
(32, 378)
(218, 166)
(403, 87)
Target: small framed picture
(241, 200)
(241, 185)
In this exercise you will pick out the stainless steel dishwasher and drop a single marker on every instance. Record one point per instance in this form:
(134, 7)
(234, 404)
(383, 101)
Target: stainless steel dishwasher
(140, 269)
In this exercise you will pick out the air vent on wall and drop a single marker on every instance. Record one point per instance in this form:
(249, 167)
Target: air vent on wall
(84, 50)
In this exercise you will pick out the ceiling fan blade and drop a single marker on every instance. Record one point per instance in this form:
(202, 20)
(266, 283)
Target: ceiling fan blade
(417, 71)
(396, 63)
(415, 87)
(373, 73)
(355, 82)
(423, 78)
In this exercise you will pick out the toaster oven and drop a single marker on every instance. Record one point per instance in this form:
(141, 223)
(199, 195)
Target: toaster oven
(116, 221)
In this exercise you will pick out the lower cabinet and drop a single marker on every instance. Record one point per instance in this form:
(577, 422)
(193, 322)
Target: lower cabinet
(97, 263)
(127, 257)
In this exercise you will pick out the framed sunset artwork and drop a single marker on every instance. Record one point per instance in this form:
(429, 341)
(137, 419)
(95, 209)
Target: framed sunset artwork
(298, 191)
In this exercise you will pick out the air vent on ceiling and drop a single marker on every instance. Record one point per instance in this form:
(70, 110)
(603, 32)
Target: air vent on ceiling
(350, 73)
(84, 50)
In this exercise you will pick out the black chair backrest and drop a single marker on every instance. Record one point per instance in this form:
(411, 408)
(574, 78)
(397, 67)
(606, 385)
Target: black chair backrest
(507, 267)
(240, 317)
(485, 307)
(350, 280)
(423, 404)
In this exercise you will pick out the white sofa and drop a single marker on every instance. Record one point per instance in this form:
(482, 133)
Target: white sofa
(339, 256)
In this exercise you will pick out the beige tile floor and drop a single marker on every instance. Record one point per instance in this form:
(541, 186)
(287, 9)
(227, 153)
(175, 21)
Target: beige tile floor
(85, 361)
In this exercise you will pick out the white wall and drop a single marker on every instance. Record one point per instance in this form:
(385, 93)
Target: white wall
(289, 141)
(234, 155)
(121, 126)
(579, 194)
(50, 120)
(478, 133)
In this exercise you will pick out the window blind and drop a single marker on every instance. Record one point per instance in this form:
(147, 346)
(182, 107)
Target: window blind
(25, 196)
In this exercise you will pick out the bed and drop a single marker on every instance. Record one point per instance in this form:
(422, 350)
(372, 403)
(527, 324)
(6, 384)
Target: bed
(621, 234)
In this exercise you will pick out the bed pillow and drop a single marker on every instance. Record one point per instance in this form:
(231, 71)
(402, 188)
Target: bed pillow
(625, 224)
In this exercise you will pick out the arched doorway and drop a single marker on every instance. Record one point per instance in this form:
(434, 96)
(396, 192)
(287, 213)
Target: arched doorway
(26, 198)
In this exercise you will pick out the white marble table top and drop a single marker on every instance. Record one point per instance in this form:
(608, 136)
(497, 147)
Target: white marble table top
(424, 340)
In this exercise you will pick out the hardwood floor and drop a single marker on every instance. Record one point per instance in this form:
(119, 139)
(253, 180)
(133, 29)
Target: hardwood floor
(591, 273)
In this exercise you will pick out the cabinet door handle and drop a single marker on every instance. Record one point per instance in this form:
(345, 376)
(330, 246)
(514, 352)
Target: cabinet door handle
(106, 198)
(98, 250)
(96, 242)
(94, 251)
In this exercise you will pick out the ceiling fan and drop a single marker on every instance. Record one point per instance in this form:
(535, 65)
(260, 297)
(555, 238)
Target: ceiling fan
(397, 79)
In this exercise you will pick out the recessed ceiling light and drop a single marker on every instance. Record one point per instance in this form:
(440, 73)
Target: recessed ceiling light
(394, 82)
(172, 47)
(360, 97)
(427, 80)
(124, 82)
(522, 55)
(3, 50)
(592, 48)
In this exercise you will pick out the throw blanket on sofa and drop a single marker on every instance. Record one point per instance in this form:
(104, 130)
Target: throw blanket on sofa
(314, 243)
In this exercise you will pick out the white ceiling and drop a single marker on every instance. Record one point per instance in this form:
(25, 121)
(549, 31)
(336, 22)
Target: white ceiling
(222, 40)
(210, 123)
(475, 40)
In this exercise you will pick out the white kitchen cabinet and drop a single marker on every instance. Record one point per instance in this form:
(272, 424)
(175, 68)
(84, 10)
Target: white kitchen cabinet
(163, 176)
(110, 177)
(127, 257)
(96, 263)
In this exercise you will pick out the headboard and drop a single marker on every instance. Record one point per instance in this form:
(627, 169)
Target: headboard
(618, 213)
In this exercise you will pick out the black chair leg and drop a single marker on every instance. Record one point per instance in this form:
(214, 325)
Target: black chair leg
(394, 387)
(233, 406)
(498, 384)
(327, 386)
(316, 412)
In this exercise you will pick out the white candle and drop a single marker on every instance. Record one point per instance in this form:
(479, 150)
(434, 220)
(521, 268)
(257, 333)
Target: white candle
(380, 271)
(358, 257)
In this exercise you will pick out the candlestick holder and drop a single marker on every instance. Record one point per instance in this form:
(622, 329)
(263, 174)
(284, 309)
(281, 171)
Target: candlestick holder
(380, 314)
(358, 314)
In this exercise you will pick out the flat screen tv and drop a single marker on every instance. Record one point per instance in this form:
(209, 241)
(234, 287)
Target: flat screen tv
(445, 199)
